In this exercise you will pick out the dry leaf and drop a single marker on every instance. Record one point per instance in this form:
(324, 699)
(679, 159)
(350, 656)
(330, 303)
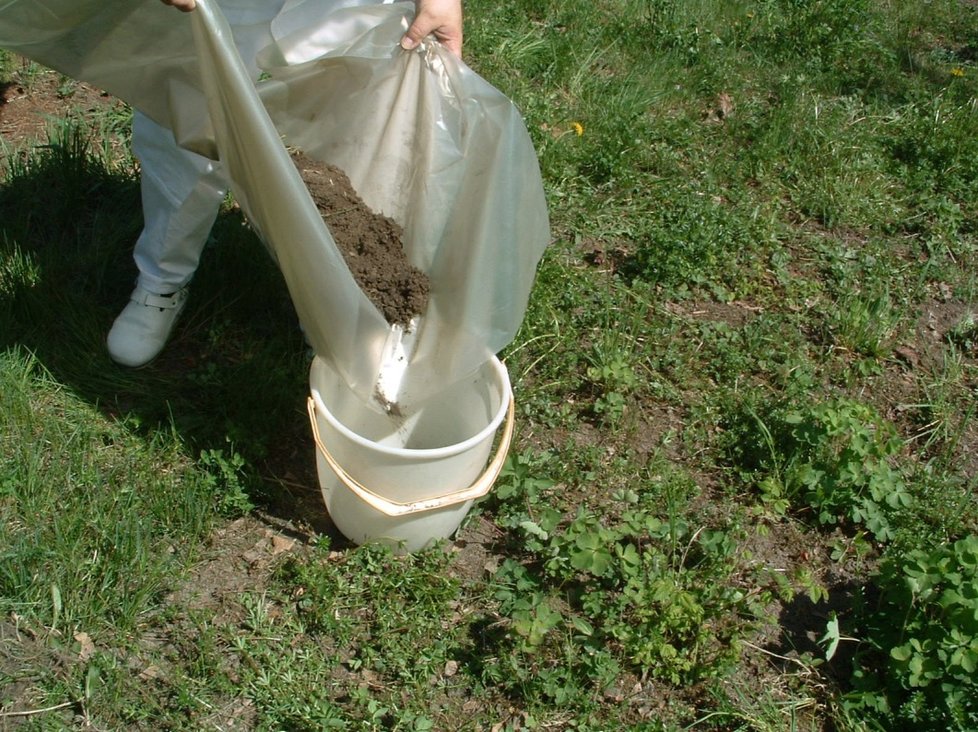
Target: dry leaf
(723, 109)
(152, 672)
(87, 647)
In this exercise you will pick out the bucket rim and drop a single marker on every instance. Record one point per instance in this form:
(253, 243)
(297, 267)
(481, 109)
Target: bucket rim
(502, 374)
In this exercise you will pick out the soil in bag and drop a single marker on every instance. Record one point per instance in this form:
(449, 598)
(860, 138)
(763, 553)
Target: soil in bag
(371, 244)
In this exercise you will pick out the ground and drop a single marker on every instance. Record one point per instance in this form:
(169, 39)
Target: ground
(241, 555)
(23, 115)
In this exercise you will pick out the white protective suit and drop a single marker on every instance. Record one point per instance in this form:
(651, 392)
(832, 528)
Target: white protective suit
(181, 193)
(181, 190)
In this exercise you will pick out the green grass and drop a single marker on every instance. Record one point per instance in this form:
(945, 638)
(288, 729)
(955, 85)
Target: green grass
(746, 387)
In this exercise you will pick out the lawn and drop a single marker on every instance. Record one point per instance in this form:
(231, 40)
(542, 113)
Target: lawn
(741, 494)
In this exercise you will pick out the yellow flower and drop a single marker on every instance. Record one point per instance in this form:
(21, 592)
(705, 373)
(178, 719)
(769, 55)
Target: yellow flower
(578, 128)
(957, 71)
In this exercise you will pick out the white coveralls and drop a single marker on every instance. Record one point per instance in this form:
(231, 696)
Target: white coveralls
(181, 190)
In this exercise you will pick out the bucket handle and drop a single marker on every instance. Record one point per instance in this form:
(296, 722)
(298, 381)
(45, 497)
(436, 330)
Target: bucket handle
(479, 488)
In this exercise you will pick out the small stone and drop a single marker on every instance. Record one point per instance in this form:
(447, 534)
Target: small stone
(451, 668)
(908, 355)
(282, 544)
(252, 556)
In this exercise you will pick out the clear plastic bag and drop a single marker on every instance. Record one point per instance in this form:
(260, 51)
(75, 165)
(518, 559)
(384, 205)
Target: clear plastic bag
(424, 140)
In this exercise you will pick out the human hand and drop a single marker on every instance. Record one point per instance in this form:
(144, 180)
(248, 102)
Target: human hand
(184, 5)
(441, 18)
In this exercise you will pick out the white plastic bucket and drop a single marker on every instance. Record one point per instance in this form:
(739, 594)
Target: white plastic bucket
(408, 480)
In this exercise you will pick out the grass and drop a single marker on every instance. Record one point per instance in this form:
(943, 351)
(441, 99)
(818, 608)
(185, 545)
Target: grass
(746, 388)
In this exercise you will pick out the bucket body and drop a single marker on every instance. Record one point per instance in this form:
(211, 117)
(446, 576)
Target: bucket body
(419, 461)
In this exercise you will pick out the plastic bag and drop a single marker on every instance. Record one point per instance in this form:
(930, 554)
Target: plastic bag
(423, 138)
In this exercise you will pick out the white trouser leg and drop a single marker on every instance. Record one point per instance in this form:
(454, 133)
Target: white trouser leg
(181, 193)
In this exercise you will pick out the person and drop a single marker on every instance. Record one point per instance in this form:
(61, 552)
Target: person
(182, 191)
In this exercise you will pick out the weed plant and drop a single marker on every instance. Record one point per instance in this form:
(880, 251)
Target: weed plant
(921, 670)
(835, 461)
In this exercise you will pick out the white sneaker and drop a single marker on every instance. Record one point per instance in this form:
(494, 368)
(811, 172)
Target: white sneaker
(144, 325)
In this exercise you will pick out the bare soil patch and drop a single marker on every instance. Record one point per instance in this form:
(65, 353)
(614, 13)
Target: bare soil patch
(239, 558)
(28, 105)
(21, 647)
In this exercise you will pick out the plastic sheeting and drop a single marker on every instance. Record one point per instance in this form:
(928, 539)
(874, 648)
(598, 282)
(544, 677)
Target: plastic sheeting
(423, 138)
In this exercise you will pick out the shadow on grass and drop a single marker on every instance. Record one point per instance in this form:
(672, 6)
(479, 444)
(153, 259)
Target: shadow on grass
(804, 622)
(234, 377)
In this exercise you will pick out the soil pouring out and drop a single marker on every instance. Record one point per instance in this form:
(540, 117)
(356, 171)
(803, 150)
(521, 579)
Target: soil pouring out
(371, 244)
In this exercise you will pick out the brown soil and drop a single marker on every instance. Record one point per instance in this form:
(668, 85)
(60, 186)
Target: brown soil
(29, 104)
(371, 244)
